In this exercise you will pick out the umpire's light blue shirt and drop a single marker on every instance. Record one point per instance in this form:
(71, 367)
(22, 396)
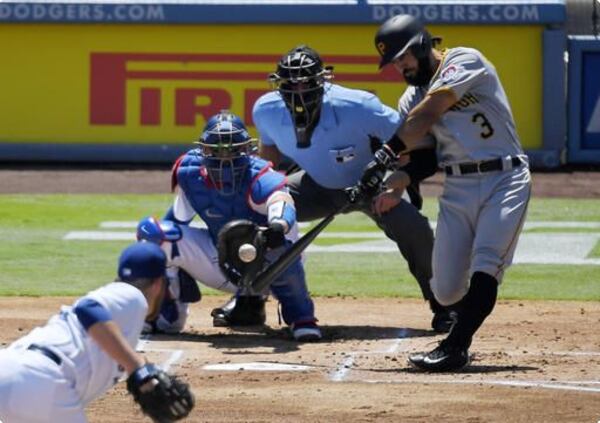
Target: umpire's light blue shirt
(340, 145)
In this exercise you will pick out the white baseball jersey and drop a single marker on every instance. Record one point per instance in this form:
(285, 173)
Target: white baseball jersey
(480, 126)
(86, 371)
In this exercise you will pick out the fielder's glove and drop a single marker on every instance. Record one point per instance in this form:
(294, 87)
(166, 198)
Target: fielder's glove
(162, 397)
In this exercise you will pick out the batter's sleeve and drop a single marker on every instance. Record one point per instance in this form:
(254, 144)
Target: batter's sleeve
(460, 72)
(409, 99)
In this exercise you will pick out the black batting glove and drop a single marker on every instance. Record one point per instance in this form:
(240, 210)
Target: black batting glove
(274, 235)
(375, 171)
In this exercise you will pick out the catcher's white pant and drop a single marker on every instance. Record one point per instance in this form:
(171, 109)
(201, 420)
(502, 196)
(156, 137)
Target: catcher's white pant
(33, 389)
(197, 255)
(479, 222)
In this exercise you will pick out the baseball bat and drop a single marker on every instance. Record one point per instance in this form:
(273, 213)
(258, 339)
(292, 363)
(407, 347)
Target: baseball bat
(268, 275)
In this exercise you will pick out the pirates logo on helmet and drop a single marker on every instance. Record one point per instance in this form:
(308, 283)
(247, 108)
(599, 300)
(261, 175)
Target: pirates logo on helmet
(225, 145)
(403, 33)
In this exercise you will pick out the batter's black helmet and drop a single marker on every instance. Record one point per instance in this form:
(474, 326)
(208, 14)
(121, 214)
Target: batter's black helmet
(400, 33)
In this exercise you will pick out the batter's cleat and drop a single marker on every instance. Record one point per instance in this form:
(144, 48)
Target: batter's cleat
(443, 321)
(240, 311)
(306, 332)
(444, 358)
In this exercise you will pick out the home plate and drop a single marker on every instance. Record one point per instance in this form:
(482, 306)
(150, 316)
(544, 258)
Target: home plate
(257, 367)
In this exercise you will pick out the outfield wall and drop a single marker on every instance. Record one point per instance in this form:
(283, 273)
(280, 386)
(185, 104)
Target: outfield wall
(135, 82)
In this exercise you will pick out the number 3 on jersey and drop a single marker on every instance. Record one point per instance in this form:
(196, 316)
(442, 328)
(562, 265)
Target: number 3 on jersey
(488, 131)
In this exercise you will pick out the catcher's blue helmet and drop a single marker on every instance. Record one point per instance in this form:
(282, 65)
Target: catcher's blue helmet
(226, 145)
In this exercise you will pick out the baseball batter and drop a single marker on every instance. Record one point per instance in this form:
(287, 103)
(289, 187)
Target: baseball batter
(52, 373)
(456, 96)
(220, 182)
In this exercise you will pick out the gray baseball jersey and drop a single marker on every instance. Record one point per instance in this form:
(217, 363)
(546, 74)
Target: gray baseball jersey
(480, 125)
(481, 214)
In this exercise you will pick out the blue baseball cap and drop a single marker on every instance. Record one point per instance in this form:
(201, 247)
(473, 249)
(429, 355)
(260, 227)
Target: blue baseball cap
(142, 260)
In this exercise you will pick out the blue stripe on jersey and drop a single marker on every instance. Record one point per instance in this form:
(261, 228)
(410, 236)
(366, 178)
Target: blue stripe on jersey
(90, 312)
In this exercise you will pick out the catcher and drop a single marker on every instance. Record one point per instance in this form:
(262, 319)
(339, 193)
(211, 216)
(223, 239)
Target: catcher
(223, 182)
(83, 350)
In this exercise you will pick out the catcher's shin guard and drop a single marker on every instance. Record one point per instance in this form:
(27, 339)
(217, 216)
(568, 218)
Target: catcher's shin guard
(240, 311)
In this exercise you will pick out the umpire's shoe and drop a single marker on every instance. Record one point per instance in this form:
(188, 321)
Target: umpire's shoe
(445, 358)
(240, 311)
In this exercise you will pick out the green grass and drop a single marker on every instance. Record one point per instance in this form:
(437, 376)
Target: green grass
(540, 209)
(325, 242)
(595, 253)
(386, 275)
(563, 230)
(36, 261)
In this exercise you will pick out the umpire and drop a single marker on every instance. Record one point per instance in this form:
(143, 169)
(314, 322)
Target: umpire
(331, 133)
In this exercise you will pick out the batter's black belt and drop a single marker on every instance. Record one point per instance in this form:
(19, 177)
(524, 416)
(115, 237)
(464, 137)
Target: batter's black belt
(46, 351)
(482, 167)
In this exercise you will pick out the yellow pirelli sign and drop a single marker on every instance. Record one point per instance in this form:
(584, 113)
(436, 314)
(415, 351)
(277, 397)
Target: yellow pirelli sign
(131, 84)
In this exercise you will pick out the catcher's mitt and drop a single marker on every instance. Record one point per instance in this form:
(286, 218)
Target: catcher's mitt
(162, 397)
(231, 237)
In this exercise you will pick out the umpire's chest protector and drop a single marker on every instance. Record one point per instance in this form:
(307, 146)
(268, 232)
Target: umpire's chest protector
(213, 207)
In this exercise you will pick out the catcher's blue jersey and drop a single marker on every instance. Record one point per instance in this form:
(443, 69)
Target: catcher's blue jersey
(258, 183)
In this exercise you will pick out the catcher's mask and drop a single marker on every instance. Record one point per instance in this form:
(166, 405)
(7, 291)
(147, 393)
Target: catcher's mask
(300, 79)
(226, 145)
(403, 33)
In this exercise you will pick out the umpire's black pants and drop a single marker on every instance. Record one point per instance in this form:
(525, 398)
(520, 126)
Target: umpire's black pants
(403, 224)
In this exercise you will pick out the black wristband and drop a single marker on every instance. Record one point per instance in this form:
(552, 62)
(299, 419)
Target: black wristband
(423, 164)
(396, 144)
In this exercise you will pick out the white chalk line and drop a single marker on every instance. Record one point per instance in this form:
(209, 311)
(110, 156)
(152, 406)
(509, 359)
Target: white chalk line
(560, 353)
(175, 355)
(567, 386)
(343, 369)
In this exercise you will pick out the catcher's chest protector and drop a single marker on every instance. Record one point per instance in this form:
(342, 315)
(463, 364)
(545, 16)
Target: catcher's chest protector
(214, 208)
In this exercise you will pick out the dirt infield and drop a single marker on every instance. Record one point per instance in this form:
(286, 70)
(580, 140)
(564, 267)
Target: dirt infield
(567, 184)
(534, 362)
